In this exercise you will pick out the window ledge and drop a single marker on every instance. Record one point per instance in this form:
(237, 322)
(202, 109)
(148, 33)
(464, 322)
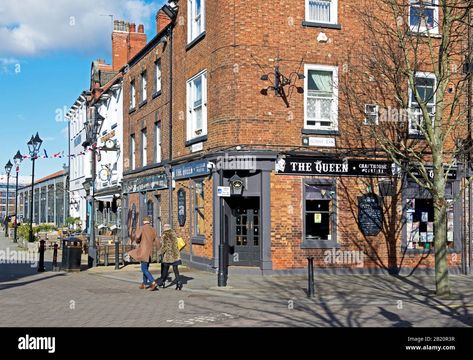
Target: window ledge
(319, 244)
(132, 110)
(430, 251)
(196, 140)
(198, 240)
(415, 136)
(321, 25)
(143, 103)
(156, 94)
(426, 34)
(320, 132)
(195, 41)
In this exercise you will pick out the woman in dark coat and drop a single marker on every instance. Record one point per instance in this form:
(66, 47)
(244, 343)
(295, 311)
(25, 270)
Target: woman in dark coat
(170, 256)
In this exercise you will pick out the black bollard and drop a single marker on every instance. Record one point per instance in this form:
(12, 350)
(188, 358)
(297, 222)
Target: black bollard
(41, 256)
(117, 265)
(310, 270)
(55, 257)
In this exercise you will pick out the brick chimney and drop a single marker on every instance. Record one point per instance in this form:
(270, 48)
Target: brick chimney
(162, 20)
(126, 42)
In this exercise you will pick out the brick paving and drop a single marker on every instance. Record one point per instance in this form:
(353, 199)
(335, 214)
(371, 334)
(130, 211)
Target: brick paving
(107, 297)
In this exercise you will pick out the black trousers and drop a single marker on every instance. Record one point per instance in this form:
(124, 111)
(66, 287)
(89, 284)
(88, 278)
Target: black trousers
(165, 272)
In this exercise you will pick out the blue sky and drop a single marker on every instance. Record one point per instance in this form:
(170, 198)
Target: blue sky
(45, 57)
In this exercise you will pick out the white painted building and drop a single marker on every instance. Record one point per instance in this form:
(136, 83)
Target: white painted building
(109, 161)
(80, 168)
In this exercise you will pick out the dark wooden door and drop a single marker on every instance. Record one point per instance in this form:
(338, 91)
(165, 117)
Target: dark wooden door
(245, 229)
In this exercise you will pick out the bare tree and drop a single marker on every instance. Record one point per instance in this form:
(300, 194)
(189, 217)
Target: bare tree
(411, 67)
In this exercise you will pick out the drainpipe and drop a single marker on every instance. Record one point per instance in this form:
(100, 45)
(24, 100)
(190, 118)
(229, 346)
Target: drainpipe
(469, 114)
(170, 124)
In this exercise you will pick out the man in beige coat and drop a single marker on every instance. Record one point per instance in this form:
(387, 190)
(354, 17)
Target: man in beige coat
(146, 237)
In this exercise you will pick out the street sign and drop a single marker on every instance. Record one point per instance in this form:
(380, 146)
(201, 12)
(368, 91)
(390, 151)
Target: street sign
(223, 191)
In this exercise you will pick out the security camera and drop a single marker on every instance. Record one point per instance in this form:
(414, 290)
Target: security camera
(210, 165)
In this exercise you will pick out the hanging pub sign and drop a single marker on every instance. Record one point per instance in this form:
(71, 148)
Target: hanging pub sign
(370, 215)
(451, 173)
(133, 217)
(181, 207)
(289, 165)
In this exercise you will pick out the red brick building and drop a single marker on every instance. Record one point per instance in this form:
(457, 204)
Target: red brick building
(201, 112)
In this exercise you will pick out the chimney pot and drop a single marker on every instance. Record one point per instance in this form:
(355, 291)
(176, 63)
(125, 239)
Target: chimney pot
(141, 28)
(126, 43)
(162, 20)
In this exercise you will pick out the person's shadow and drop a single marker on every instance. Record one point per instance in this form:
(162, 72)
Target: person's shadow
(396, 320)
(171, 280)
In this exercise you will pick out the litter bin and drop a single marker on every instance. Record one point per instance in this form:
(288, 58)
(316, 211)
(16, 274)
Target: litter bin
(71, 254)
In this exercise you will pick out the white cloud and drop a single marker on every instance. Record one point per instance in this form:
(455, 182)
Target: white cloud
(31, 27)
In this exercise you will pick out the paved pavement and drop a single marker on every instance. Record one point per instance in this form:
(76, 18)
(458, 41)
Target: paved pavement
(107, 297)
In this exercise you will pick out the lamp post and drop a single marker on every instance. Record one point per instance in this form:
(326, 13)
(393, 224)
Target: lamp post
(33, 146)
(92, 128)
(17, 159)
(8, 168)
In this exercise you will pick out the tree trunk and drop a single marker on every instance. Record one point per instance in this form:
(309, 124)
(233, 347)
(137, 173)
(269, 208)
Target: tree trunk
(440, 232)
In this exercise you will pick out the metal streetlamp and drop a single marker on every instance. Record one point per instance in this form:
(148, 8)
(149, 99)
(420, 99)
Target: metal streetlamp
(92, 128)
(18, 158)
(8, 168)
(33, 146)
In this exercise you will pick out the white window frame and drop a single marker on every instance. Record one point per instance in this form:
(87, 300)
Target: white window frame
(192, 30)
(144, 85)
(132, 152)
(192, 131)
(423, 29)
(132, 95)
(157, 139)
(334, 119)
(333, 13)
(144, 147)
(412, 112)
(158, 75)
(374, 113)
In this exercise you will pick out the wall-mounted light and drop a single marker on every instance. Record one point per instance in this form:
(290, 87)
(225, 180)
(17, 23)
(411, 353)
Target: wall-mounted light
(280, 81)
(236, 185)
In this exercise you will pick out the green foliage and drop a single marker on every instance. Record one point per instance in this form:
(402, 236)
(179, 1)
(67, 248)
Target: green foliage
(24, 230)
(71, 221)
(44, 228)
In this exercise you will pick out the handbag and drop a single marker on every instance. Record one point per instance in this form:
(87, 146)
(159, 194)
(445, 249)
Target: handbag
(180, 243)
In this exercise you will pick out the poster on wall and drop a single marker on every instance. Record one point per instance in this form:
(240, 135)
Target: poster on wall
(181, 207)
(370, 215)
